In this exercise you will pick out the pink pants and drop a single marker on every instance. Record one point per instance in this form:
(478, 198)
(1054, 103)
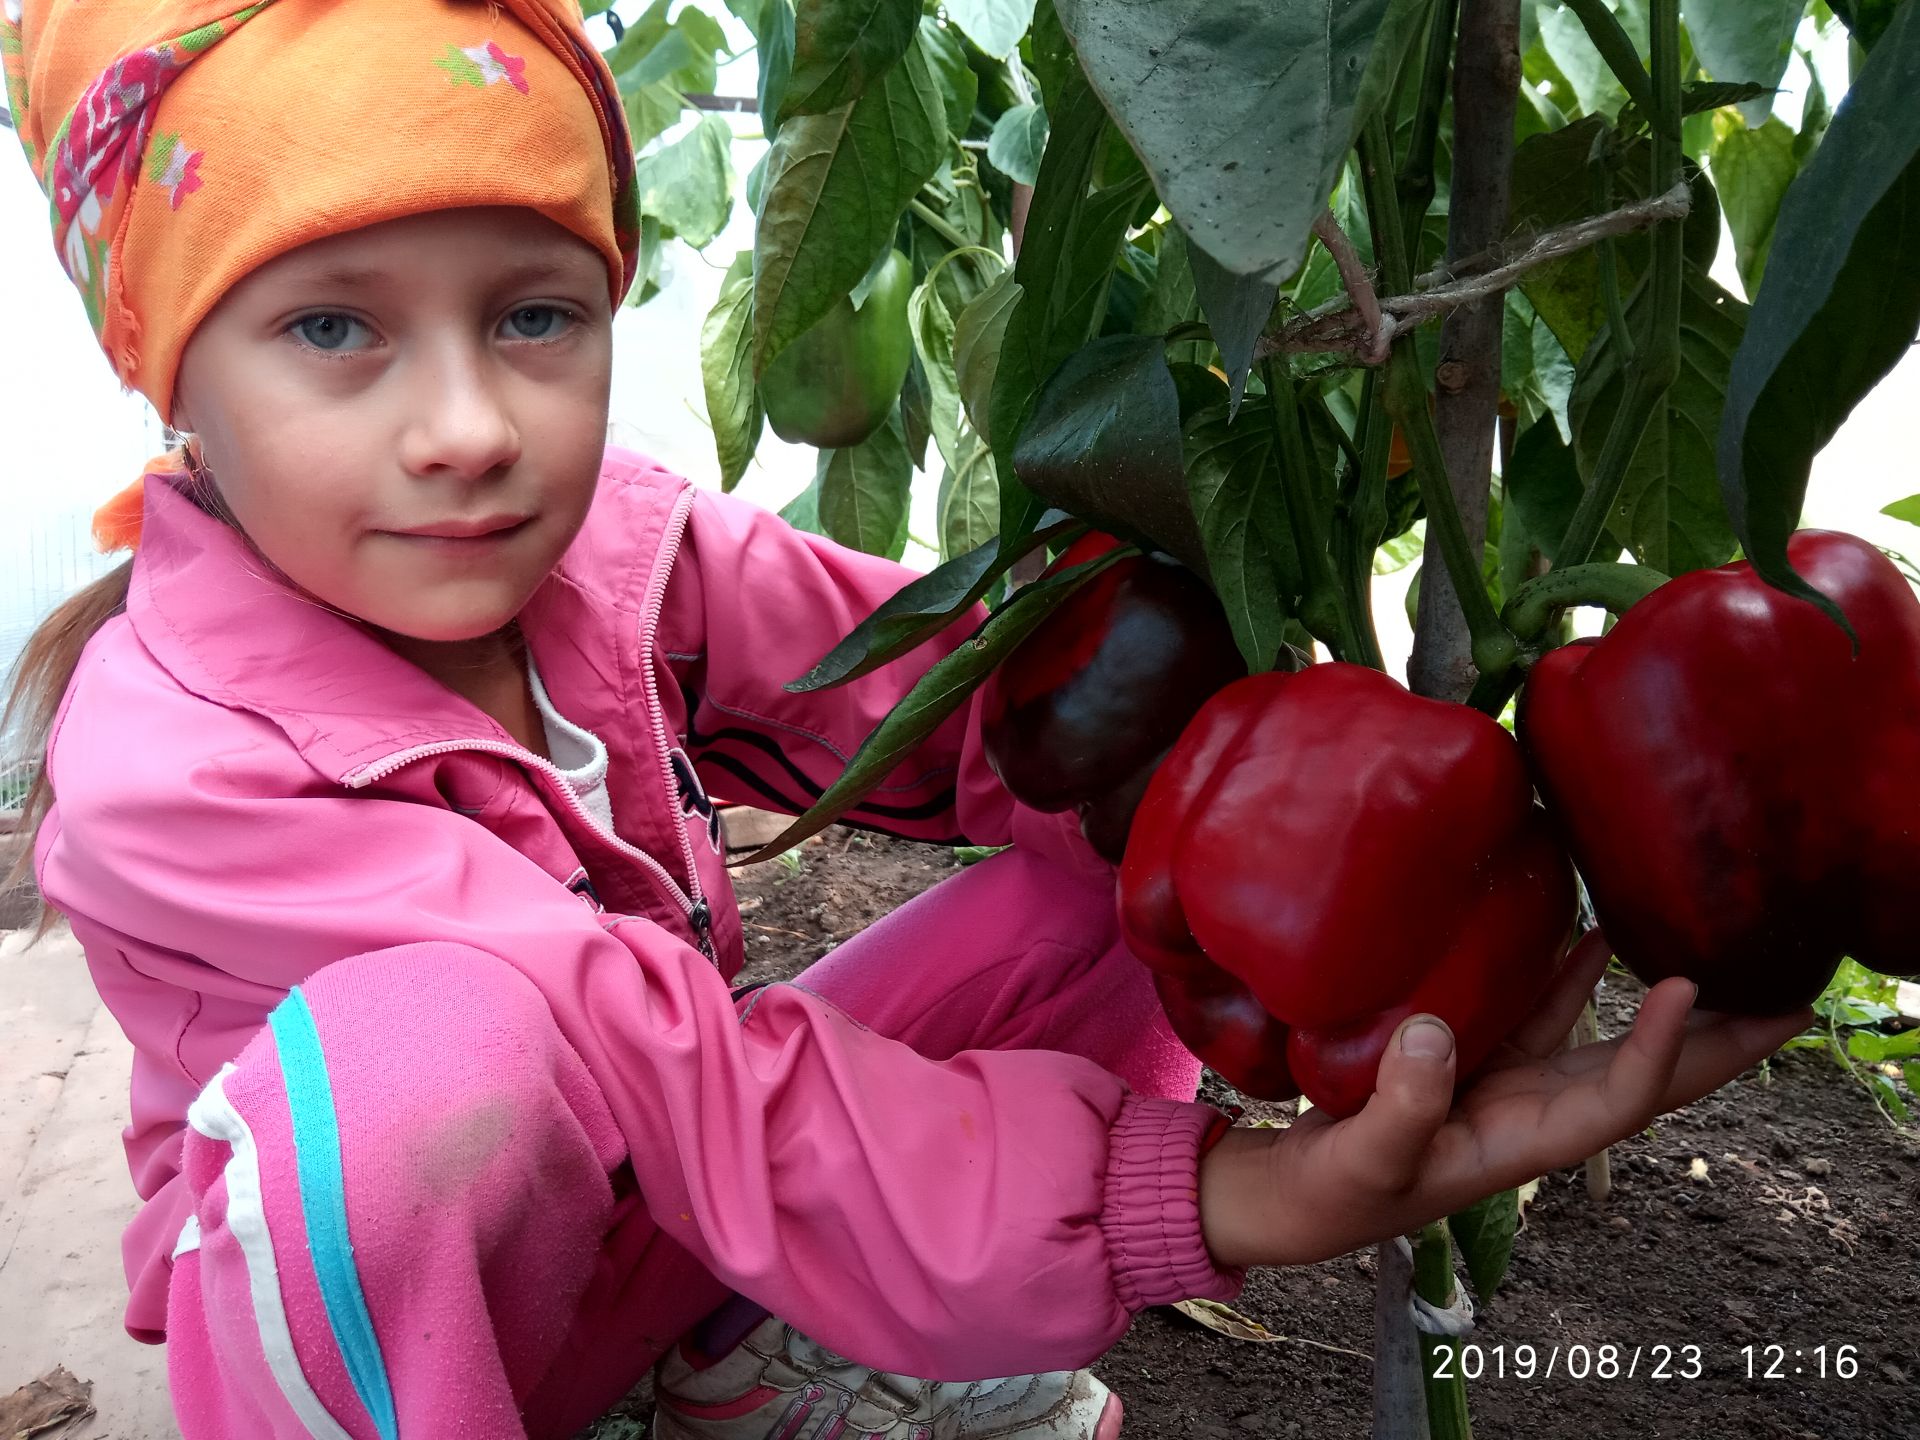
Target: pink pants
(509, 1281)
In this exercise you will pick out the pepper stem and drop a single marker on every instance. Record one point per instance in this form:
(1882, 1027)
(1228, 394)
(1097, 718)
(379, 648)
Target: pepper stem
(1613, 587)
(1447, 1414)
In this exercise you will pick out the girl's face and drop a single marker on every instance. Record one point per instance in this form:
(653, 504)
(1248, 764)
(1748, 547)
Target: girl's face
(408, 419)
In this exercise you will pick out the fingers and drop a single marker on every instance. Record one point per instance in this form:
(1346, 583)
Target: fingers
(1542, 1032)
(1383, 1147)
(1637, 1078)
(1720, 1050)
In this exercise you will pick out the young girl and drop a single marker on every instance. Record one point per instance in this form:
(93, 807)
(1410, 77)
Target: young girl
(378, 789)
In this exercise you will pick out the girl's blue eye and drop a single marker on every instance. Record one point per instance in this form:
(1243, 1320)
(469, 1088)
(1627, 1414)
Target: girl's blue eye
(326, 330)
(312, 329)
(545, 332)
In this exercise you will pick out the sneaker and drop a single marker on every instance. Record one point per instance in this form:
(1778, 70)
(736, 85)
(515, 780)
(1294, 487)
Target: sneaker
(777, 1384)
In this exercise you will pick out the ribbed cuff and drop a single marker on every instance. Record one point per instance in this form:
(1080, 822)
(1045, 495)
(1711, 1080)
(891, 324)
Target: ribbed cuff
(1151, 1215)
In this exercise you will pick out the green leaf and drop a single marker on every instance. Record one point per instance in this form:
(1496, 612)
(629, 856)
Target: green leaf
(922, 608)
(778, 26)
(982, 354)
(1242, 110)
(967, 505)
(1867, 20)
(835, 187)
(841, 47)
(1907, 509)
(1484, 1232)
(1745, 40)
(1564, 39)
(803, 511)
(652, 263)
(1019, 136)
(1542, 487)
(996, 26)
(652, 110)
(1535, 372)
(1233, 483)
(932, 329)
(958, 84)
(689, 184)
(1838, 306)
(1104, 444)
(1237, 308)
(1871, 1049)
(1669, 511)
(1752, 170)
(1910, 1072)
(864, 489)
(726, 372)
(936, 695)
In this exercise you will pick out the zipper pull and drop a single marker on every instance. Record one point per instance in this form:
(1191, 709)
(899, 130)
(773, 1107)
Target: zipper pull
(701, 918)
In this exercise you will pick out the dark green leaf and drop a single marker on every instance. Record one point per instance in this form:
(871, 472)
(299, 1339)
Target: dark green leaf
(841, 47)
(967, 505)
(981, 350)
(1243, 110)
(1233, 483)
(803, 511)
(1752, 170)
(1237, 308)
(1542, 487)
(1050, 53)
(918, 611)
(941, 691)
(689, 184)
(1669, 512)
(1838, 306)
(1867, 20)
(1104, 444)
(863, 491)
(1564, 38)
(1745, 40)
(1484, 1232)
(932, 330)
(916, 418)
(1698, 99)
(777, 31)
(1535, 373)
(1019, 135)
(835, 187)
(994, 25)
(1907, 509)
(652, 263)
(726, 372)
(960, 87)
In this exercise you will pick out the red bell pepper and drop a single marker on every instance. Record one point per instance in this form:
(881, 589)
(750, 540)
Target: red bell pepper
(1347, 854)
(1740, 789)
(1082, 710)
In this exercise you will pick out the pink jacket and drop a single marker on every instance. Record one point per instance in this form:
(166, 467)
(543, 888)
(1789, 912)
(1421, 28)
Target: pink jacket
(251, 787)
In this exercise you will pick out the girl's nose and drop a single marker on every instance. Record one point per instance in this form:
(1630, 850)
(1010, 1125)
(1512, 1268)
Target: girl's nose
(460, 421)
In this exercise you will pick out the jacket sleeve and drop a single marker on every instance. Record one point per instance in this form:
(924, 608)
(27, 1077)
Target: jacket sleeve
(1001, 1212)
(752, 604)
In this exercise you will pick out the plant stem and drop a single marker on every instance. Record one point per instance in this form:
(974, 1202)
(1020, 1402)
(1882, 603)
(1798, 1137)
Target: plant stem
(1447, 1417)
(1325, 610)
(1614, 587)
(1416, 184)
(1608, 256)
(1655, 364)
(1448, 643)
(940, 227)
(1610, 38)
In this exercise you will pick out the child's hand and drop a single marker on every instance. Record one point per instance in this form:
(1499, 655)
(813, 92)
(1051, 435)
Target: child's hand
(1415, 1153)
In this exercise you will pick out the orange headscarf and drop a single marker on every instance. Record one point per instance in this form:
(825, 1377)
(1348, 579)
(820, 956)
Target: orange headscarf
(184, 143)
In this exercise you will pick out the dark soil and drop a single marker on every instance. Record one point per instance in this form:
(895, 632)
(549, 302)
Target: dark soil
(1803, 1232)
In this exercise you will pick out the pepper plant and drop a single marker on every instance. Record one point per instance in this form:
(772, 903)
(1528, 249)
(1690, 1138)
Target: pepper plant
(1258, 286)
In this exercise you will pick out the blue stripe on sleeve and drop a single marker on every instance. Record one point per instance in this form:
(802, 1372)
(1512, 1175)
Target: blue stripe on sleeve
(323, 1201)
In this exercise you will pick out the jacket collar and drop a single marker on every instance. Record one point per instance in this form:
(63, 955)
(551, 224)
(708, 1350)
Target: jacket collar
(226, 628)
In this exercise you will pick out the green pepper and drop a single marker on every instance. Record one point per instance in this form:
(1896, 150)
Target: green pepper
(835, 385)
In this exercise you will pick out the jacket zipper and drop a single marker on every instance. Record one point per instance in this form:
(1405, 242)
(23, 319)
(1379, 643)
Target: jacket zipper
(694, 906)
